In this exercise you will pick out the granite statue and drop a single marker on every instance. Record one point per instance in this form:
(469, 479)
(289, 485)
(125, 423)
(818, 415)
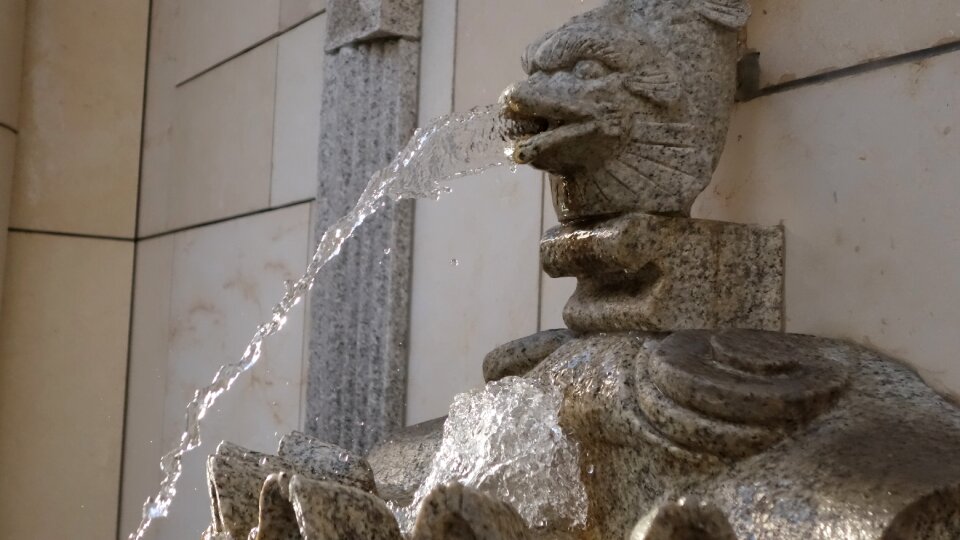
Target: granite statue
(692, 414)
(627, 105)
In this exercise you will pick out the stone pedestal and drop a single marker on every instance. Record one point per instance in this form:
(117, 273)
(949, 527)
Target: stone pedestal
(653, 273)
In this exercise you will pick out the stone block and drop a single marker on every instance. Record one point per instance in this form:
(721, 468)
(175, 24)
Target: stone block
(353, 21)
(654, 273)
(401, 462)
(455, 512)
(236, 478)
(339, 511)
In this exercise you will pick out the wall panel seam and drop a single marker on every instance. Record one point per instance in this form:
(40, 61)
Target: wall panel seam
(249, 48)
(226, 219)
(858, 69)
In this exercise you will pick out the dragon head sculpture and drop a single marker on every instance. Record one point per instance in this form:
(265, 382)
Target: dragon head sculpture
(627, 106)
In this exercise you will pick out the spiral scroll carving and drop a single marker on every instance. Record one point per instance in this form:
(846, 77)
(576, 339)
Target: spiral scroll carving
(735, 392)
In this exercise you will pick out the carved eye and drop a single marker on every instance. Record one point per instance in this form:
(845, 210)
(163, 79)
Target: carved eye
(590, 69)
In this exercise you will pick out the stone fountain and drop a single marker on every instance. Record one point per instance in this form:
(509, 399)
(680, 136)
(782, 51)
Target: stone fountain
(673, 406)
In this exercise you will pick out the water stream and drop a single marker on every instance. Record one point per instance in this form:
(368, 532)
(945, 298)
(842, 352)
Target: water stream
(452, 146)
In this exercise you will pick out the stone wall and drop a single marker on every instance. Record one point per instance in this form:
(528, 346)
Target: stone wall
(69, 257)
(70, 146)
(232, 126)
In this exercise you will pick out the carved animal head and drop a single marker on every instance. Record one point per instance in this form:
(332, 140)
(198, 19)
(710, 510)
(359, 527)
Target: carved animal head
(627, 106)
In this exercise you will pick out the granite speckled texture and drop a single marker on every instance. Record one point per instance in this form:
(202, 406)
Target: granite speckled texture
(360, 305)
(236, 478)
(352, 21)
(323, 461)
(627, 106)
(278, 520)
(653, 273)
(789, 436)
(684, 520)
(520, 356)
(327, 511)
(401, 462)
(456, 512)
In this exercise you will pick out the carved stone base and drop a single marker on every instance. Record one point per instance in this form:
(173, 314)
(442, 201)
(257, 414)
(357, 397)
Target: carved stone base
(653, 273)
(784, 436)
(713, 435)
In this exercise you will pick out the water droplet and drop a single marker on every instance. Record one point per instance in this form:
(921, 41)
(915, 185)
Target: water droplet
(590, 469)
(386, 251)
(454, 262)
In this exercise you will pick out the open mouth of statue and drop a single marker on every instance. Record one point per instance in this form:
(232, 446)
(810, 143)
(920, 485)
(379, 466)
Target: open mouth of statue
(533, 133)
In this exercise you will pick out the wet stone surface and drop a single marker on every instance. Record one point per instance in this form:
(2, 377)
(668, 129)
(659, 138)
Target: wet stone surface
(455, 512)
(402, 462)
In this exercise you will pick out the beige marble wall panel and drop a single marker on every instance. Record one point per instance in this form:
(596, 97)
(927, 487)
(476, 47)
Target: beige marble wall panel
(202, 294)
(81, 108)
(862, 172)
(296, 133)
(147, 381)
(159, 113)
(473, 289)
(798, 39)
(12, 25)
(436, 98)
(222, 141)
(214, 30)
(8, 148)
(295, 11)
(63, 341)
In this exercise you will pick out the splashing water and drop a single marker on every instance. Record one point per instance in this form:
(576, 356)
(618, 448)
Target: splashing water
(505, 440)
(451, 147)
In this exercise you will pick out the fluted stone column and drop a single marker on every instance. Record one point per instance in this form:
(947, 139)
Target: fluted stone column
(360, 305)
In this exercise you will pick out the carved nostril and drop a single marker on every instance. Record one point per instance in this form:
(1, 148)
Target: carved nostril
(522, 157)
